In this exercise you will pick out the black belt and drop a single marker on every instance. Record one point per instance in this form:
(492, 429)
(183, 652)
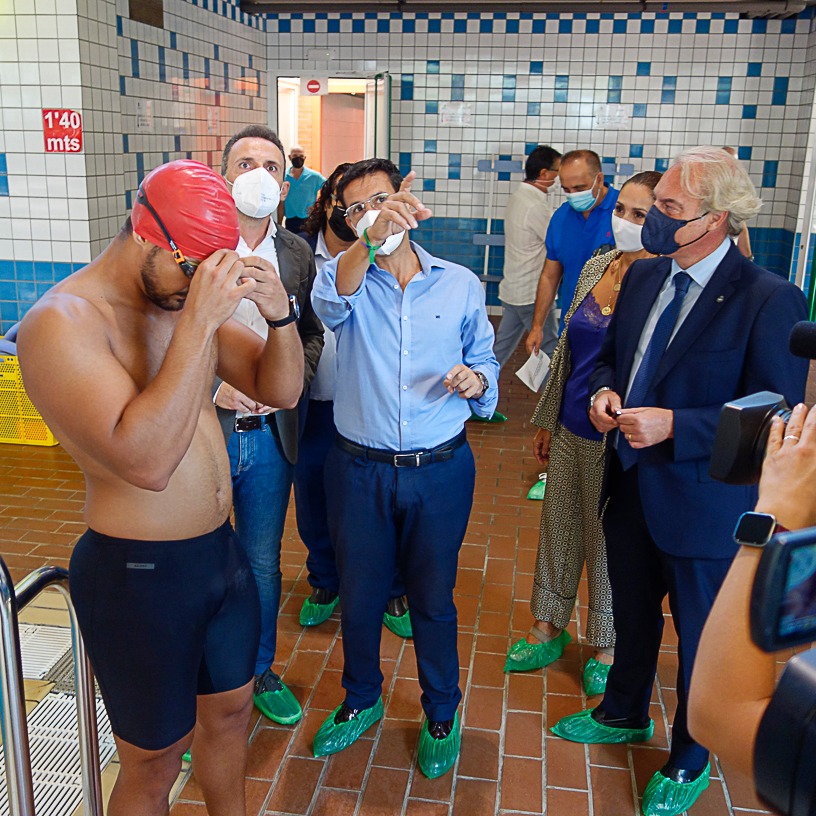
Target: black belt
(440, 453)
(249, 423)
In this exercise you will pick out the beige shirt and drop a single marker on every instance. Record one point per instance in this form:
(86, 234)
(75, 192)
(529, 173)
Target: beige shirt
(526, 220)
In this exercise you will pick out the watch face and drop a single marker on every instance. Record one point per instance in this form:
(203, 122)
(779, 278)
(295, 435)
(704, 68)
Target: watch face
(294, 306)
(754, 528)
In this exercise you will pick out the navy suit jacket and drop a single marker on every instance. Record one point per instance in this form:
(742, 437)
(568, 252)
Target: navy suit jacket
(734, 342)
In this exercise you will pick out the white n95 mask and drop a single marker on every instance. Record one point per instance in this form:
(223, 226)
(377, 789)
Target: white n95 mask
(391, 242)
(627, 234)
(256, 193)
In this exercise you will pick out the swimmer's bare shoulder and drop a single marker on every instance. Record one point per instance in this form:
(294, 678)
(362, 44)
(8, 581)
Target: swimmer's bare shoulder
(69, 368)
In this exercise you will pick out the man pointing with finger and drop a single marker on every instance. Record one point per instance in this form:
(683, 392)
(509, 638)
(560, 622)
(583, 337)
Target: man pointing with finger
(415, 357)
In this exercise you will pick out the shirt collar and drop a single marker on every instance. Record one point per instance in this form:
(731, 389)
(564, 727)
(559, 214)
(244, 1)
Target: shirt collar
(427, 262)
(243, 248)
(321, 250)
(702, 272)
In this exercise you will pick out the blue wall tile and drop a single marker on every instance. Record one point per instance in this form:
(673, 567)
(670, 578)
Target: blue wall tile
(769, 171)
(754, 69)
(534, 109)
(780, 91)
(432, 107)
(644, 69)
(636, 151)
(749, 111)
(457, 87)
(744, 153)
(407, 86)
(430, 146)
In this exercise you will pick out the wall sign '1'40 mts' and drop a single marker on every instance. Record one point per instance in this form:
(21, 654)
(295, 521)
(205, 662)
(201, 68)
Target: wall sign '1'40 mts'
(62, 130)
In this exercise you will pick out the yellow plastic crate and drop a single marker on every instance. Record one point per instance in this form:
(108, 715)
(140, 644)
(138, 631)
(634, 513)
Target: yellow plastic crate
(20, 422)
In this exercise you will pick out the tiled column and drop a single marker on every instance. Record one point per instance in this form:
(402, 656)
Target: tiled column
(55, 208)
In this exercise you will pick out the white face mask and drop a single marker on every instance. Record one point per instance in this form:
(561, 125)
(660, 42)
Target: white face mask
(256, 193)
(391, 242)
(627, 234)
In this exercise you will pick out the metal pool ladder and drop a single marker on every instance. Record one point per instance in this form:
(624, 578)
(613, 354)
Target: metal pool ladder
(13, 723)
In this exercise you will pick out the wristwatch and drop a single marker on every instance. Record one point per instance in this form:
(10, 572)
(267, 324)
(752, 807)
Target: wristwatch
(597, 394)
(756, 529)
(485, 383)
(294, 314)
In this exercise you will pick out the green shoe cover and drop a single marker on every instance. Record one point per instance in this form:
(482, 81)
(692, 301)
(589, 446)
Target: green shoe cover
(665, 797)
(399, 624)
(334, 737)
(581, 727)
(536, 492)
(313, 614)
(496, 417)
(595, 675)
(437, 756)
(524, 656)
(278, 703)
(187, 757)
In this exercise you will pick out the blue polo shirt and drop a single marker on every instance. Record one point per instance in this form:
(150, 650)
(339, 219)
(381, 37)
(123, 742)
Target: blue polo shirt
(302, 192)
(571, 240)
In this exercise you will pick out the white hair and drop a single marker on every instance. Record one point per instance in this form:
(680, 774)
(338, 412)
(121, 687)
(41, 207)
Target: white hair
(720, 183)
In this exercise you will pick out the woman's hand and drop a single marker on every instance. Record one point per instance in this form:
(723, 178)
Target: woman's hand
(541, 447)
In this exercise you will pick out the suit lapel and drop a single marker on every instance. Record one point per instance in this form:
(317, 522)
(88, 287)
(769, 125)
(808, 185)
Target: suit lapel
(288, 272)
(642, 293)
(713, 297)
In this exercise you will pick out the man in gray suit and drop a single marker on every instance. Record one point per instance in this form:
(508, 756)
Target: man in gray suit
(262, 443)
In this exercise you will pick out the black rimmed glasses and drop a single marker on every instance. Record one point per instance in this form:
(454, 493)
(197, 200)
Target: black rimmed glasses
(187, 266)
(355, 211)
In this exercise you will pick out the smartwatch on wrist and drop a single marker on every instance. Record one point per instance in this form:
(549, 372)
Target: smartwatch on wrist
(756, 529)
(294, 314)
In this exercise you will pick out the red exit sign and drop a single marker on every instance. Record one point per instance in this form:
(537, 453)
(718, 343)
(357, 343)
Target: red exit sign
(62, 130)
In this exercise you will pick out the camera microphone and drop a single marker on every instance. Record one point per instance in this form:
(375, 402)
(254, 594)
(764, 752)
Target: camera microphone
(802, 341)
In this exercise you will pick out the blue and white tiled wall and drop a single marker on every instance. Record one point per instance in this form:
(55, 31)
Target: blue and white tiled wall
(202, 76)
(149, 95)
(680, 79)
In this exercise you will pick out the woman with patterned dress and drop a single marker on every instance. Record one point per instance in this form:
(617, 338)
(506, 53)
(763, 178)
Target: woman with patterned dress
(572, 452)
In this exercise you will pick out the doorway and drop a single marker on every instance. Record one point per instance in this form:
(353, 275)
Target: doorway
(348, 122)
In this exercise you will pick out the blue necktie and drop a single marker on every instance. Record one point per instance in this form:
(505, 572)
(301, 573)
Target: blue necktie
(651, 359)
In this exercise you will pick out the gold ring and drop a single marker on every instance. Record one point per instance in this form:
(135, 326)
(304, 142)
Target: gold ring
(629, 437)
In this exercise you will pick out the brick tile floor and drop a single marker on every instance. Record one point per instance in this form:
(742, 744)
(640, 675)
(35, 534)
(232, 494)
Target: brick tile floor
(509, 764)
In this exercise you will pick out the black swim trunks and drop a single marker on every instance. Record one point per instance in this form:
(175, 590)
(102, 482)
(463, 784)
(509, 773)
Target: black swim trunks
(164, 621)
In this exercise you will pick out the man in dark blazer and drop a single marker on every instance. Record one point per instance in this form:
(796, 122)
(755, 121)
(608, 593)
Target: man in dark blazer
(262, 443)
(693, 329)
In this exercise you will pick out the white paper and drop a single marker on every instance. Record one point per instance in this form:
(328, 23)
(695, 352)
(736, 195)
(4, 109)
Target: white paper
(533, 372)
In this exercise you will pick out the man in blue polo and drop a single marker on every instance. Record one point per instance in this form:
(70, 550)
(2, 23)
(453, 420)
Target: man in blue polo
(304, 185)
(579, 226)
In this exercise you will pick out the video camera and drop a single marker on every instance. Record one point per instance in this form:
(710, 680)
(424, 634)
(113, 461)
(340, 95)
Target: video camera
(783, 614)
(742, 432)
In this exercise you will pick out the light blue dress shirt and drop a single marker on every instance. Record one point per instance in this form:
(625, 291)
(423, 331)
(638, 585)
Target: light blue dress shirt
(700, 274)
(395, 347)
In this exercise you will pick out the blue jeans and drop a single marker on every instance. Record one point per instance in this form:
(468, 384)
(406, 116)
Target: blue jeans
(261, 483)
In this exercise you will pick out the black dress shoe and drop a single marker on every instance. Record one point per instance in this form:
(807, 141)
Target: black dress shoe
(440, 730)
(599, 715)
(681, 775)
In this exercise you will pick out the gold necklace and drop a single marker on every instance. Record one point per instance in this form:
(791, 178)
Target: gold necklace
(607, 310)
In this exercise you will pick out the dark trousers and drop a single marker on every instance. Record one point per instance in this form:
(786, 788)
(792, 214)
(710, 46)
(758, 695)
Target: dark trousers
(295, 224)
(311, 512)
(641, 575)
(310, 494)
(380, 517)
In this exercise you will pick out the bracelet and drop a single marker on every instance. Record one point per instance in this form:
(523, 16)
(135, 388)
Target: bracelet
(369, 246)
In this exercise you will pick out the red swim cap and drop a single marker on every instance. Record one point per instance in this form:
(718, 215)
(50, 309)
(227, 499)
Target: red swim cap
(194, 205)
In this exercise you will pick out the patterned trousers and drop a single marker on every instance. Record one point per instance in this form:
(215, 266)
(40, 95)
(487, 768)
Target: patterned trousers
(571, 534)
